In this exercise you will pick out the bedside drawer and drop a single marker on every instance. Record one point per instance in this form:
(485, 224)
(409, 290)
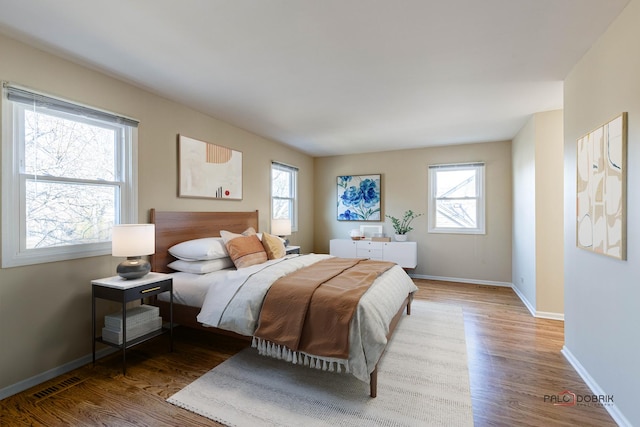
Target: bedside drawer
(148, 290)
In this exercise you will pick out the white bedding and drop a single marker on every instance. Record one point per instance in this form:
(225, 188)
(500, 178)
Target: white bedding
(234, 299)
(191, 289)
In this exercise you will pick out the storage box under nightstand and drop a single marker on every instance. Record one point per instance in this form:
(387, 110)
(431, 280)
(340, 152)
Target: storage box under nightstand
(141, 320)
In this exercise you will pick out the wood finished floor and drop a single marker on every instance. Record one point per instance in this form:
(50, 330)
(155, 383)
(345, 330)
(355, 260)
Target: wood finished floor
(514, 361)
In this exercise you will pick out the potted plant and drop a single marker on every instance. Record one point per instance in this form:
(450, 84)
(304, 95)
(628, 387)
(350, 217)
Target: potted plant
(402, 226)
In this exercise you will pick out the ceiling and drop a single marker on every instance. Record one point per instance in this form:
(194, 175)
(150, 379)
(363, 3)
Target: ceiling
(333, 77)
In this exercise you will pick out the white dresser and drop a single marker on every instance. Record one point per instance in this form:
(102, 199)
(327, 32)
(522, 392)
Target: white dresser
(405, 254)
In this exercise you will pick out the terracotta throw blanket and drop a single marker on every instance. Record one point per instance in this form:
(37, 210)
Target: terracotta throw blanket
(310, 310)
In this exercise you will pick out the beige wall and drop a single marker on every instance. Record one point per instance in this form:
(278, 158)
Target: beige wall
(404, 186)
(602, 293)
(45, 310)
(538, 214)
(549, 213)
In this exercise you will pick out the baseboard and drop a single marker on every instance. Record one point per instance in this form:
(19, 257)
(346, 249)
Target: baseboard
(612, 409)
(550, 315)
(456, 279)
(524, 300)
(52, 373)
(533, 311)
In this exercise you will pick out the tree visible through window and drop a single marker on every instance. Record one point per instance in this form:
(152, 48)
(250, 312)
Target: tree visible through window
(284, 193)
(456, 197)
(71, 178)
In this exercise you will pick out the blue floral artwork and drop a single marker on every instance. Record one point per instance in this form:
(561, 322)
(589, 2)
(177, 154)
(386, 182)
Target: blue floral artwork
(359, 198)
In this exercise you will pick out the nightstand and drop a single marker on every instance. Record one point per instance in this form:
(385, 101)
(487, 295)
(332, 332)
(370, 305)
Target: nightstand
(118, 289)
(292, 250)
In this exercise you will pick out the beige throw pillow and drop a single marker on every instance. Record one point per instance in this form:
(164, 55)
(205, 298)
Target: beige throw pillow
(273, 245)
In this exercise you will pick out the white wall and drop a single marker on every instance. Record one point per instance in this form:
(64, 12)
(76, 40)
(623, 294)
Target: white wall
(602, 295)
(523, 151)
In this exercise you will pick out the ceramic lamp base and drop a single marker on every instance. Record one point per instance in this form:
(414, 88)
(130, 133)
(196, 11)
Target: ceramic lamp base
(284, 240)
(133, 268)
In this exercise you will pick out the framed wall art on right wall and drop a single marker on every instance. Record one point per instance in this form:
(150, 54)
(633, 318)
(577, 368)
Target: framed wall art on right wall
(601, 193)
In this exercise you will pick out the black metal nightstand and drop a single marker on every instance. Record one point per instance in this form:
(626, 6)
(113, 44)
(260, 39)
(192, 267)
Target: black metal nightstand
(292, 250)
(118, 289)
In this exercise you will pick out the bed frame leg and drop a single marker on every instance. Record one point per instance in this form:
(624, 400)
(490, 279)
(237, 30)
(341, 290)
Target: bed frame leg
(373, 383)
(373, 378)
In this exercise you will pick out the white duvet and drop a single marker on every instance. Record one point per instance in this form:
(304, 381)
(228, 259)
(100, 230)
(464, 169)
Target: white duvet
(234, 300)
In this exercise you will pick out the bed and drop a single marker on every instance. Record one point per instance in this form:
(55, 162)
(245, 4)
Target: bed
(375, 318)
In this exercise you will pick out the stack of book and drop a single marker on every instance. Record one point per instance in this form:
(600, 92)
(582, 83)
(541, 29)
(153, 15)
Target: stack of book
(141, 320)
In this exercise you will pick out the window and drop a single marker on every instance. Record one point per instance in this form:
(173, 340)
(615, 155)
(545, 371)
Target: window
(284, 193)
(456, 198)
(67, 177)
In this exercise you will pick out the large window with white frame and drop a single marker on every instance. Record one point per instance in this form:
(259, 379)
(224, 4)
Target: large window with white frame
(457, 198)
(284, 193)
(68, 175)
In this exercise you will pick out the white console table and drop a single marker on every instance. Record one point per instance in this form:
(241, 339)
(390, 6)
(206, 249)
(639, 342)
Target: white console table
(405, 254)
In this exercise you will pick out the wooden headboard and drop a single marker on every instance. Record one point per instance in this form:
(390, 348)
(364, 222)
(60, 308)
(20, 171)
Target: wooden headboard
(176, 227)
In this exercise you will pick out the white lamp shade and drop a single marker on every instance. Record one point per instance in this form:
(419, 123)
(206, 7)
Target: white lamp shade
(133, 240)
(281, 227)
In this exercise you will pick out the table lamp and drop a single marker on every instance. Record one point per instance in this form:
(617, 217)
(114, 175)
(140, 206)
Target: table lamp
(133, 241)
(281, 228)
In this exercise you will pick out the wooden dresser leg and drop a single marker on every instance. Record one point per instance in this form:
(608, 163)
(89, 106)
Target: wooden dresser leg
(373, 383)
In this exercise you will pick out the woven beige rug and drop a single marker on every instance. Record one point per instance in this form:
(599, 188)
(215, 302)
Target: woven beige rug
(423, 380)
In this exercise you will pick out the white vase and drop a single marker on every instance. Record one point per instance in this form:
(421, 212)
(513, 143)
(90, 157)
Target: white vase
(355, 234)
(401, 237)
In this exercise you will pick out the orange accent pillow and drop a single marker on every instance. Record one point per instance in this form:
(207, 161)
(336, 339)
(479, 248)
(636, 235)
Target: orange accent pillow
(246, 251)
(273, 245)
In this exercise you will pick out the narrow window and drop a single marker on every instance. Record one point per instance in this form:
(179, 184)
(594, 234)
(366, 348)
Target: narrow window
(284, 193)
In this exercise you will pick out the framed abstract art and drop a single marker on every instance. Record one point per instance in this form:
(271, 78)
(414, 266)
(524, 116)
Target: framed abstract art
(359, 198)
(601, 193)
(208, 170)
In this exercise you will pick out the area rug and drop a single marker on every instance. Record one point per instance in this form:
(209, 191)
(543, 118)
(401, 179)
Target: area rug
(423, 380)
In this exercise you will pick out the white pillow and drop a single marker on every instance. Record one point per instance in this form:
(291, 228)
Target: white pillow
(200, 249)
(201, 267)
